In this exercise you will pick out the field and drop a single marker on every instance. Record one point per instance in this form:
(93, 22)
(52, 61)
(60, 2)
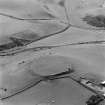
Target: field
(55, 37)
